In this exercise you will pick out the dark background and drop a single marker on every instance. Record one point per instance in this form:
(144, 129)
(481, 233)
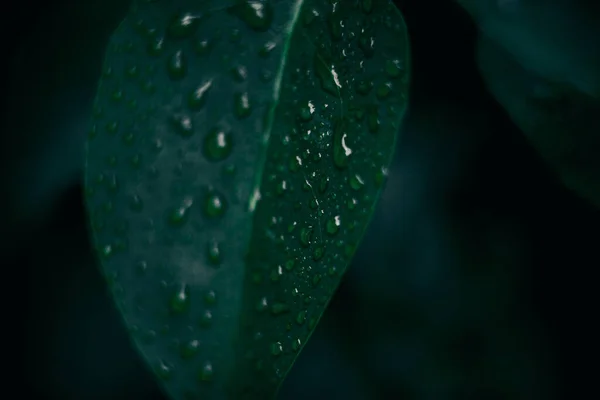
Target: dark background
(475, 280)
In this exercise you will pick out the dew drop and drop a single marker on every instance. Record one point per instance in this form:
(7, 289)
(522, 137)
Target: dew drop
(306, 236)
(177, 65)
(197, 98)
(183, 125)
(384, 90)
(210, 297)
(296, 344)
(183, 26)
(217, 145)
(214, 205)
(240, 73)
(213, 252)
(333, 225)
(341, 151)
(276, 348)
(163, 371)
(178, 216)
(206, 319)
(301, 317)
(327, 75)
(206, 373)
(156, 47)
(257, 14)
(356, 182)
(180, 301)
(242, 105)
(190, 349)
(393, 68)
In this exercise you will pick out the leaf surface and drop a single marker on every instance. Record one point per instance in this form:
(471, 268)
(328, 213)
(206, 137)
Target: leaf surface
(236, 154)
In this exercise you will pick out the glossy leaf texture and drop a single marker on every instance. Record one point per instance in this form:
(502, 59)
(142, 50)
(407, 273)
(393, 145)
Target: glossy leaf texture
(236, 155)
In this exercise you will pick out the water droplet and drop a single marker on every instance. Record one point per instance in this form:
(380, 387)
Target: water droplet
(163, 370)
(190, 349)
(206, 373)
(213, 252)
(276, 348)
(301, 317)
(206, 319)
(217, 145)
(393, 68)
(306, 236)
(107, 251)
(178, 216)
(156, 46)
(202, 46)
(356, 182)
(384, 90)
(267, 48)
(327, 75)
(367, 45)
(183, 125)
(295, 163)
(341, 151)
(214, 205)
(242, 105)
(210, 297)
(112, 127)
(262, 305)
(257, 14)
(180, 301)
(197, 99)
(183, 26)
(333, 225)
(240, 73)
(177, 65)
(296, 344)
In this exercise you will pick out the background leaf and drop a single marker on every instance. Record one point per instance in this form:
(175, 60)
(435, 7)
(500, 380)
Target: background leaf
(237, 152)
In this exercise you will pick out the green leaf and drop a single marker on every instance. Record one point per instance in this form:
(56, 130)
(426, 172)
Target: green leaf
(236, 155)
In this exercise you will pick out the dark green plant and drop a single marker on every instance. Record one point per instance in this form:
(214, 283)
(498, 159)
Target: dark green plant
(237, 151)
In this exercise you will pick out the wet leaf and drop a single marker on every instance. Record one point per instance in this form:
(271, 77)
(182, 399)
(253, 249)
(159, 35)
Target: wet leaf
(236, 154)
